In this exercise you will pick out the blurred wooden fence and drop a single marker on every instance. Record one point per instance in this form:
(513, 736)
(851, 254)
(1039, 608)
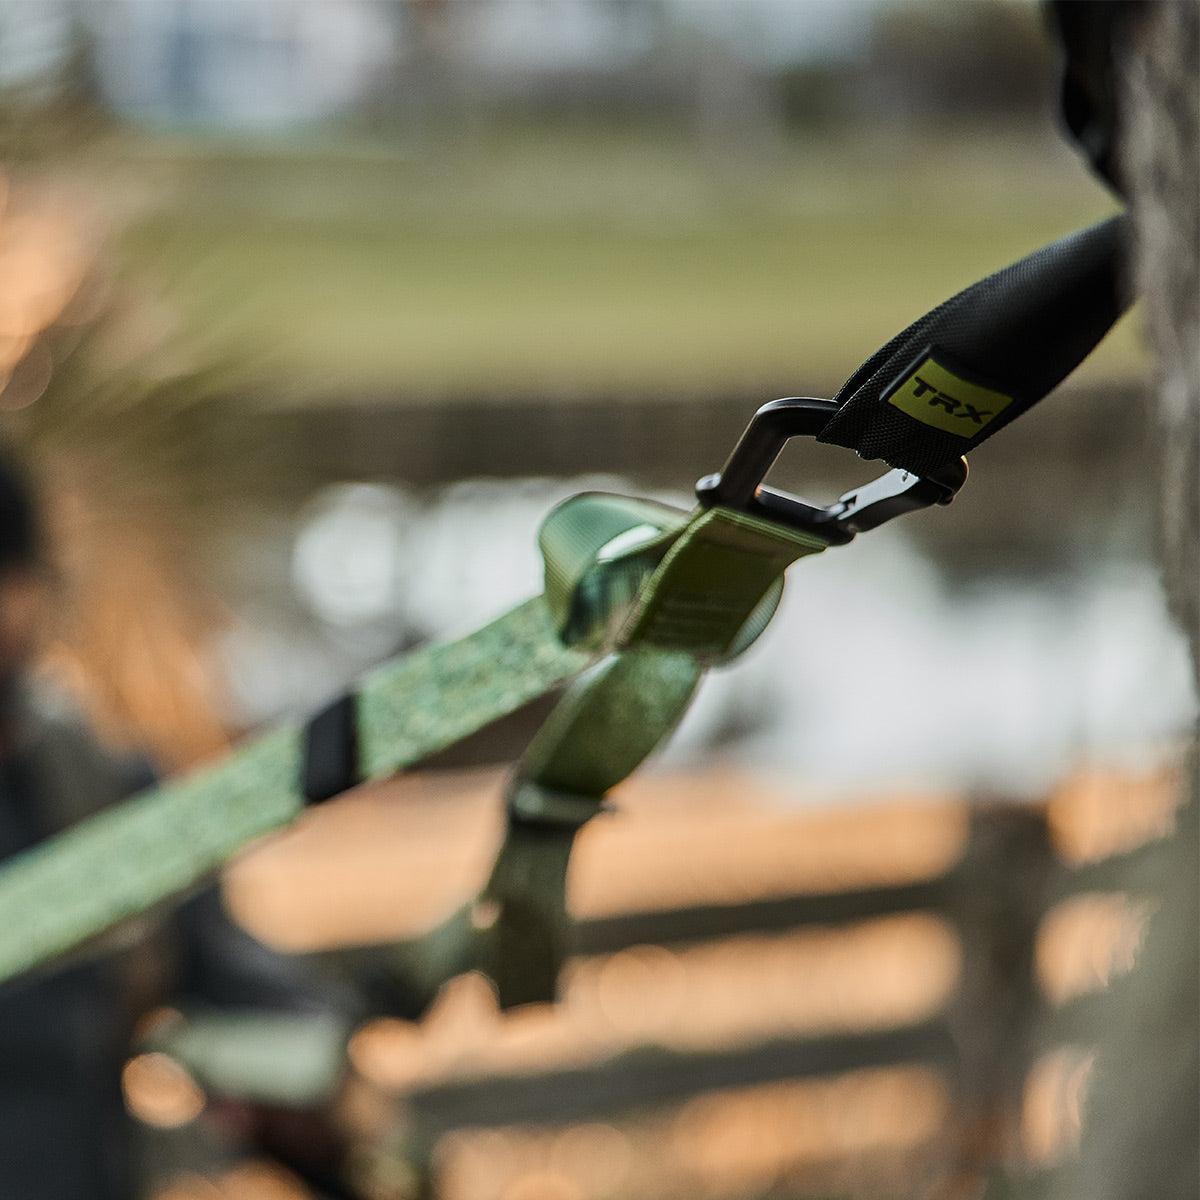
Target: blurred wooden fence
(1019, 1000)
(763, 1001)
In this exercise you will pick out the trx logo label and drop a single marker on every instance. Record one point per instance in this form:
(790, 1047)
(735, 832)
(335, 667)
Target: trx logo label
(934, 395)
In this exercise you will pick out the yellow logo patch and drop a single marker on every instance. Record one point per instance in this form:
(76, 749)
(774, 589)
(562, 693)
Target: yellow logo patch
(934, 395)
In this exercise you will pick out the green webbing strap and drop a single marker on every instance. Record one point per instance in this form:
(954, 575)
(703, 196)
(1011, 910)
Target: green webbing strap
(429, 700)
(159, 844)
(657, 593)
(709, 585)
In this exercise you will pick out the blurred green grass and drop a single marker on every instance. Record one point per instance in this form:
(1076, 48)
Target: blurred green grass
(584, 262)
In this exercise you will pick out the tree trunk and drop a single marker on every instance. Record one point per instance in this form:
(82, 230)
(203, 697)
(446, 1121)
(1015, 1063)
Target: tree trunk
(1143, 1120)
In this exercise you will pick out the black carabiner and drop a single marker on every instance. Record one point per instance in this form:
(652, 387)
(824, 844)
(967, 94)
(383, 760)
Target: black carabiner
(739, 483)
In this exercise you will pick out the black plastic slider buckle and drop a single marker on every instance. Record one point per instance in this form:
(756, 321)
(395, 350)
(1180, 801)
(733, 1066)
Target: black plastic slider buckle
(739, 483)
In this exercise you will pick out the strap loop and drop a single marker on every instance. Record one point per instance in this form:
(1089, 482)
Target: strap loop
(1013, 337)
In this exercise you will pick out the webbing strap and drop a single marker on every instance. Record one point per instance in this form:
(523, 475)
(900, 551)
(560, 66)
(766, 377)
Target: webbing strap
(708, 588)
(159, 844)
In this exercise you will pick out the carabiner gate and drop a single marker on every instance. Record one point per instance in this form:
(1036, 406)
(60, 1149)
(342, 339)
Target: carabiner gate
(739, 483)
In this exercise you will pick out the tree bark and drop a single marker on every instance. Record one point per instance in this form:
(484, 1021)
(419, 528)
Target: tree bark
(1142, 1123)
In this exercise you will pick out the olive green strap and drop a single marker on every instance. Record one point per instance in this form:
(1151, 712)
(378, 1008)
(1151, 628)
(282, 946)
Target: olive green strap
(429, 700)
(709, 587)
(159, 844)
(662, 593)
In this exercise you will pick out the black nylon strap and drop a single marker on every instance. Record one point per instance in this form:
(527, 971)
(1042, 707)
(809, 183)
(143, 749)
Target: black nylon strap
(330, 751)
(977, 361)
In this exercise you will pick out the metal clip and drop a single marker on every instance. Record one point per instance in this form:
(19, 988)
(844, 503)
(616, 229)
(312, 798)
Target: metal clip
(739, 483)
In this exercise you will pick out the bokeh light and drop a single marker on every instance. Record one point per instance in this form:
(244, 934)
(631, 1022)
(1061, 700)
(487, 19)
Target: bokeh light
(160, 1092)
